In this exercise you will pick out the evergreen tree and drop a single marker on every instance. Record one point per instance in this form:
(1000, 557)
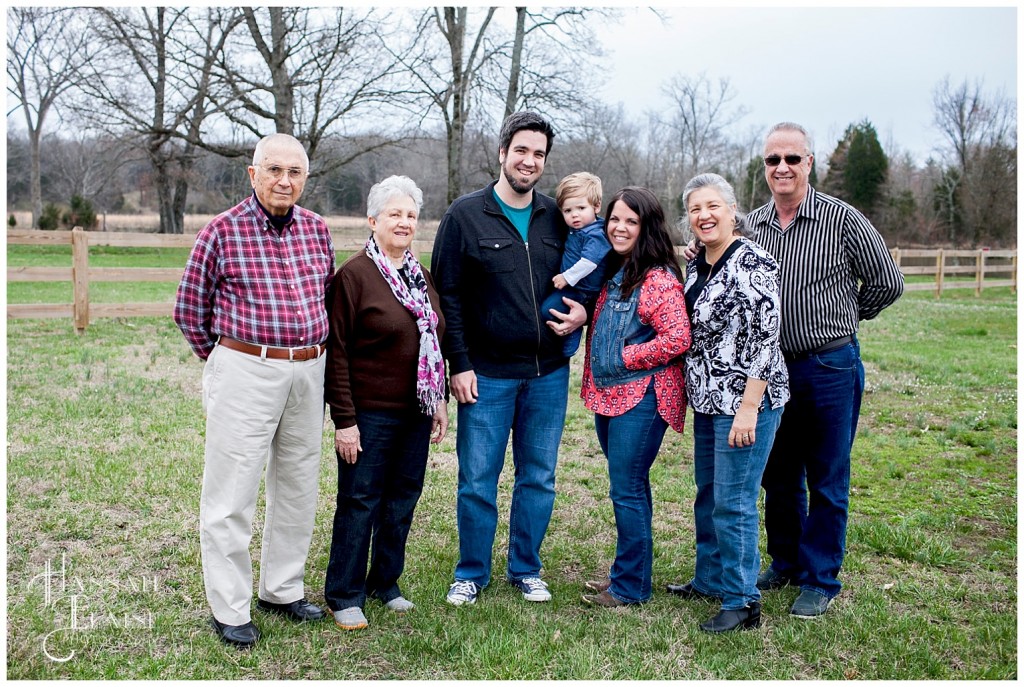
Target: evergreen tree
(866, 168)
(857, 168)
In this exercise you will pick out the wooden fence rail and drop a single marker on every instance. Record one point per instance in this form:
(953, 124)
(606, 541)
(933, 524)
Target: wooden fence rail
(980, 264)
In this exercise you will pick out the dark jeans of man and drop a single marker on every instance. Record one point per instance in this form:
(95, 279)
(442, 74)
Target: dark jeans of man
(376, 499)
(807, 538)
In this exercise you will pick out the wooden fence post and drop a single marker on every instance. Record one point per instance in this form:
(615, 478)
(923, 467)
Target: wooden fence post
(1013, 278)
(80, 278)
(940, 272)
(979, 266)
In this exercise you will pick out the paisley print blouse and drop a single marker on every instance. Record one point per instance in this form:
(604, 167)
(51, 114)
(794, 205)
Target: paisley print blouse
(736, 322)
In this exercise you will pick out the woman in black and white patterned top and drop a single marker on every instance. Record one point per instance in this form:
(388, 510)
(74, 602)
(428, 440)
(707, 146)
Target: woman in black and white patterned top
(737, 384)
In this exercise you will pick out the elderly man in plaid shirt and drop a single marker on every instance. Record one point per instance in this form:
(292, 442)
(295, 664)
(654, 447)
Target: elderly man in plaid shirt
(251, 304)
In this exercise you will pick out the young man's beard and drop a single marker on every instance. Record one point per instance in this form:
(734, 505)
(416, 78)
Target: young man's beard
(516, 185)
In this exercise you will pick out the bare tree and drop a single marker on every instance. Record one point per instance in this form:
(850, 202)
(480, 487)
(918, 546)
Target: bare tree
(445, 76)
(551, 50)
(478, 72)
(700, 118)
(45, 49)
(978, 188)
(155, 87)
(315, 73)
(87, 166)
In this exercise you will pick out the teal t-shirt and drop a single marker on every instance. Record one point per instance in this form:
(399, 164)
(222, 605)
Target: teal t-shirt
(520, 219)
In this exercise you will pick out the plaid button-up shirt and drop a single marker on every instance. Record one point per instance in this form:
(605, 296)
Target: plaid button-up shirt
(246, 281)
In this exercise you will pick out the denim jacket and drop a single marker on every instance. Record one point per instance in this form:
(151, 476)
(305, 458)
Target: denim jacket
(618, 326)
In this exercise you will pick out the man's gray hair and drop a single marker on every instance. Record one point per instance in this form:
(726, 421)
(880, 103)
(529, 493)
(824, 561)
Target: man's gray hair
(793, 126)
(387, 189)
(724, 188)
(277, 139)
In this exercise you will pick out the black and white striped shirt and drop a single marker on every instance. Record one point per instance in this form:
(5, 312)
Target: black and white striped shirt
(835, 269)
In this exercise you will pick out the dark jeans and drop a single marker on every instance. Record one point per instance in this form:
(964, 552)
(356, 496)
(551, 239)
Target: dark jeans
(376, 499)
(806, 538)
(554, 302)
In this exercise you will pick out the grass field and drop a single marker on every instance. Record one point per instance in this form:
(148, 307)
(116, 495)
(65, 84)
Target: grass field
(105, 441)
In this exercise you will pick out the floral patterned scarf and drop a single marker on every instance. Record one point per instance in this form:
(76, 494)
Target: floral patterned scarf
(430, 372)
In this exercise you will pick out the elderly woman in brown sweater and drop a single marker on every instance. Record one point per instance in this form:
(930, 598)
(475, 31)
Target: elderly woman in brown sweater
(385, 385)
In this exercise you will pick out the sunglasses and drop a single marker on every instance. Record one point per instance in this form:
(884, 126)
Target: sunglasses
(774, 160)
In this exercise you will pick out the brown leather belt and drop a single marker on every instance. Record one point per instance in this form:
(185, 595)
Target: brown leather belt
(293, 354)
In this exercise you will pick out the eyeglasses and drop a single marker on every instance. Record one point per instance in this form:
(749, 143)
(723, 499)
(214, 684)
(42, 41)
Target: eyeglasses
(774, 160)
(276, 172)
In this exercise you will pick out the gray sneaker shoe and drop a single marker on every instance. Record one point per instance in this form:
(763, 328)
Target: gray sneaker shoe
(810, 605)
(350, 618)
(533, 589)
(770, 579)
(400, 604)
(462, 592)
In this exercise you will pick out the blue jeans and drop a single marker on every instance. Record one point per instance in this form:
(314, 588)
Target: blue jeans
(725, 510)
(533, 411)
(630, 443)
(807, 538)
(376, 499)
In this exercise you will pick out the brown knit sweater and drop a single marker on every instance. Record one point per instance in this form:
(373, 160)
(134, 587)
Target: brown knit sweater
(373, 345)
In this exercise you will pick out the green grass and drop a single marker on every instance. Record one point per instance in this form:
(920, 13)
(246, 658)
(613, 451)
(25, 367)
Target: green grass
(105, 443)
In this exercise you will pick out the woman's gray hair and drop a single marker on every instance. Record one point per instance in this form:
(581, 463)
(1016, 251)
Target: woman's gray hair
(724, 188)
(388, 189)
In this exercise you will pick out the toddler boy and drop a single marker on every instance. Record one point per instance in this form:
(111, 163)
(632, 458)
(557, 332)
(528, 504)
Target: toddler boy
(583, 260)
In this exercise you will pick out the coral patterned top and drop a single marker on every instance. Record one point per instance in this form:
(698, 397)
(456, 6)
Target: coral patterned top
(662, 305)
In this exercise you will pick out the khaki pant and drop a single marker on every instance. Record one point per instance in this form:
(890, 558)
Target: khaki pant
(259, 413)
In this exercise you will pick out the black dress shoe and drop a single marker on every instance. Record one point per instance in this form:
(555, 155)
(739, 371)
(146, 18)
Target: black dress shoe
(687, 591)
(299, 611)
(727, 621)
(241, 636)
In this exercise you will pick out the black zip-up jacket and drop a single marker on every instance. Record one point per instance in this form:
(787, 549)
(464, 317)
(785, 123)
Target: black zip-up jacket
(492, 284)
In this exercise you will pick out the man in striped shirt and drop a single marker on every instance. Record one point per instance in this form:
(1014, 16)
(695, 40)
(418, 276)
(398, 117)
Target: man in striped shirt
(835, 271)
(251, 304)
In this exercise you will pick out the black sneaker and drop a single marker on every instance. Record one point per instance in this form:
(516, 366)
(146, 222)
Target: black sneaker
(810, 605)
(741, 619)
(771, 579)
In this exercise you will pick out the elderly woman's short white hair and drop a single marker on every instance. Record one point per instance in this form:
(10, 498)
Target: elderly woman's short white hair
(387, 190)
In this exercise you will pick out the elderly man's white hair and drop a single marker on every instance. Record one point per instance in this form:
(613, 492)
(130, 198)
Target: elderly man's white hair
(277, 140)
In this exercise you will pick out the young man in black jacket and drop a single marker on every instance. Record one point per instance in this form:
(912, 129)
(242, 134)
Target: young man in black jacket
(495, 254)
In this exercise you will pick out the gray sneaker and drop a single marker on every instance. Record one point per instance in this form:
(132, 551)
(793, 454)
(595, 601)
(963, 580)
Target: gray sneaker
(810, 604)
(400, 604)
(350, 618)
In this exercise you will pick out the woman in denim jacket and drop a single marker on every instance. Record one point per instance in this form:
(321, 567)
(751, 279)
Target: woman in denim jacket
(737, 384)
(633, 379)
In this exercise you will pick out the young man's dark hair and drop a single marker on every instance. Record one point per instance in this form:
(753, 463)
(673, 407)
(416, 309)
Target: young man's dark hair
(517, 121)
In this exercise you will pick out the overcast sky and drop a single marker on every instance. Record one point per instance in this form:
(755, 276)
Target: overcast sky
(822, 67)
